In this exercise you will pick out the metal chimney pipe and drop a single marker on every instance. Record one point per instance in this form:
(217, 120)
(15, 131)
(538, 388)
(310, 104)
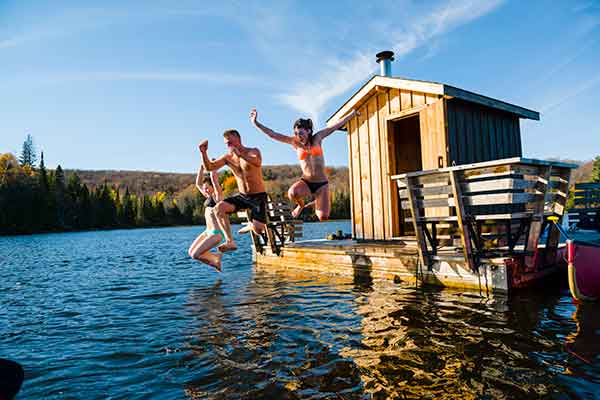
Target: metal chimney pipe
(385, 59)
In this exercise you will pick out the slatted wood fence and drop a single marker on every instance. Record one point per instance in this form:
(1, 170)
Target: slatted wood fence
(489, 209)
(281, 228)
(586, 198)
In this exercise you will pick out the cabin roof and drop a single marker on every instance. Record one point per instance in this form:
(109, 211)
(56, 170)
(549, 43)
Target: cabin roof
(432, 88)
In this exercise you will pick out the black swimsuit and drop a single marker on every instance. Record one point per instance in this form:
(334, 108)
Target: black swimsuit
(209, 202)
(314, 186)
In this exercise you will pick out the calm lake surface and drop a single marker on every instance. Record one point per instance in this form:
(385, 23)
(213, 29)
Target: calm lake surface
(127, 315)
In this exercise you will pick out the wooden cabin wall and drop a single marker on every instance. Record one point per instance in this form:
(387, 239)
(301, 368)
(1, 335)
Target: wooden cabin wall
(478, 133)
(372, 192)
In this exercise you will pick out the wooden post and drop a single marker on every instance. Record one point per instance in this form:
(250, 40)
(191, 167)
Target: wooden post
(537, 219)
(465, 236)
(558, 208)
(416, 216)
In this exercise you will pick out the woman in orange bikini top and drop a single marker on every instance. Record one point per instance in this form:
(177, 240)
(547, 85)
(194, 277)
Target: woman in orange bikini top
(310, 154)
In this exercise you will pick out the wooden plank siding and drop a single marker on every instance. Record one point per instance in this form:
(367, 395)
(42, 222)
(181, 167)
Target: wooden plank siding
(365, 173)
(478, 133)
(375, 176)
(353, 198)
(405, 100)
(381, 102)
(354, 173)
(392, 194)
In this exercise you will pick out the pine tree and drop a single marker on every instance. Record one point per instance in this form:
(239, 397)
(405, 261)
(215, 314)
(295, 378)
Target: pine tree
(28, 156)
(127, 210)
(43, 213)
(86, 215)
(73, 201)
(188, 212)
(174, 216)
(59, 194)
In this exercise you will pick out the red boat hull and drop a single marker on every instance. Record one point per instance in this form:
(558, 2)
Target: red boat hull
(584, 270)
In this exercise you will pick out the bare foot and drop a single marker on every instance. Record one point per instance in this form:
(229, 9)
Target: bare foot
(297, 211)
(215, 261)
(247, 228)
(212, 260)
(227, 246)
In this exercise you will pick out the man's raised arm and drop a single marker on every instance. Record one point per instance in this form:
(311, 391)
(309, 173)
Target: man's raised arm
(206, 161)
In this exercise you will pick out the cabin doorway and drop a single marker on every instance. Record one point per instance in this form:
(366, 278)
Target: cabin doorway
(405, 156)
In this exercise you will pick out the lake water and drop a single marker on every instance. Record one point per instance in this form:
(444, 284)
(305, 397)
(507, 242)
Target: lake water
(127, 315)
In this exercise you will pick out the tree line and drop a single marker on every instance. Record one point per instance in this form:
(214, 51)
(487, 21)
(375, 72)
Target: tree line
(36, 199)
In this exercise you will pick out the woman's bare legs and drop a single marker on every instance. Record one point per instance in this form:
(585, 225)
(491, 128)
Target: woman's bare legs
(201, 251)
(296, 193)
(322, 204)
(196, 242)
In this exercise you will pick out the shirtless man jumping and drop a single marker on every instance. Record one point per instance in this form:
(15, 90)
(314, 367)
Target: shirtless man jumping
(245, 164)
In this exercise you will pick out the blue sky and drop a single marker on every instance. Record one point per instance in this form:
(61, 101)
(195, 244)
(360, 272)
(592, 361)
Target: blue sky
(137, 84)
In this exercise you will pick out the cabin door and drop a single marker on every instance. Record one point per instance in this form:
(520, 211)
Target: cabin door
(405, 156)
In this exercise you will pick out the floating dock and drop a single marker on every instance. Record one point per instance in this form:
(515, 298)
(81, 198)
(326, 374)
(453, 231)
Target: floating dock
(475, 226)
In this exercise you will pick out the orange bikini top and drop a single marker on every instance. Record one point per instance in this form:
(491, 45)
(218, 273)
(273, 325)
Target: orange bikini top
(312, 151)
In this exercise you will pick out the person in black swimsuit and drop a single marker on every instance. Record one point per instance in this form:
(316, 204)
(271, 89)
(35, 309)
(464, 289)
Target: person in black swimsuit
(212, 235)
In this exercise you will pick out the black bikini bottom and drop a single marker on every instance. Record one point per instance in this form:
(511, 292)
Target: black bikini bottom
(314, 186)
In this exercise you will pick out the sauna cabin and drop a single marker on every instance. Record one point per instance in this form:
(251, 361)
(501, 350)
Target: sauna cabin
(409, 125)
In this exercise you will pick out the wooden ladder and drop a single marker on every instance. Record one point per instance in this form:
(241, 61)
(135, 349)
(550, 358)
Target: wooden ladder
(281, 228)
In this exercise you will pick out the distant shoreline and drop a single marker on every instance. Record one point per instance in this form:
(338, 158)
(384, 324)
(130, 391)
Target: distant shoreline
(124, 228)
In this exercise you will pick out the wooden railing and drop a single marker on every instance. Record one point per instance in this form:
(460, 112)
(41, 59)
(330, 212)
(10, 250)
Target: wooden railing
(489, 209)
(586, 210)
(281, 228)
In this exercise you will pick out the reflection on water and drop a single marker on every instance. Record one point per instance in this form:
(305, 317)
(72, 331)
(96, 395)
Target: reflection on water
(140, 320)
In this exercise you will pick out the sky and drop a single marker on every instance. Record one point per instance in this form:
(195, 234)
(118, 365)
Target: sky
(136, 85)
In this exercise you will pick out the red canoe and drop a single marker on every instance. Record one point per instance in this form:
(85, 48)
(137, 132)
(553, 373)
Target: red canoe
(584, 269)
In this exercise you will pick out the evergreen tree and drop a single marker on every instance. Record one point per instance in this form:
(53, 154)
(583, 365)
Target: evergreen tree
(59, 195)
(28, 156)
(86, 215)
(174, 215)
(106, 208)
(127, 215)
(73, 201)
(188, 212)
(146, 211)
(41, 208)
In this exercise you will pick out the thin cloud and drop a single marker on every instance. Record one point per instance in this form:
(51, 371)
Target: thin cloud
(310, 96)
(569, 95)
(216, 78)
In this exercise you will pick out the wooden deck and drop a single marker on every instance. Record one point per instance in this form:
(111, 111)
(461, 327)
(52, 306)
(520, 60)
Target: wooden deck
(399, 261)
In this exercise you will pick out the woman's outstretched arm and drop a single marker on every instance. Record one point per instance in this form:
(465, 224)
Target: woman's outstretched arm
(214, 177)
(268, 131)
(199, 177)
(323, 133)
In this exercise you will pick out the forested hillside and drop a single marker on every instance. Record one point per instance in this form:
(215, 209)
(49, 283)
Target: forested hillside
(36, 199)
